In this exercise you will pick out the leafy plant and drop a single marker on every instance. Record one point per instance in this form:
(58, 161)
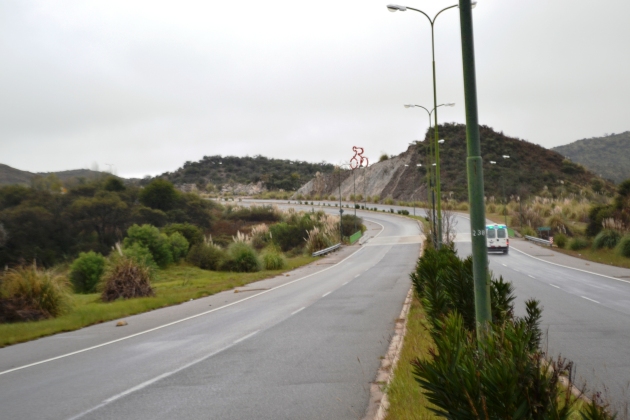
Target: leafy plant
(179, 246)
(560, 240)
(206, 256)
(127, 278)
(86, 271)
(150, 237)
(192, 233)
(623, 248)
(241, 257)
(578, 243)
(28, 294)
(272, 259)
(606, 239)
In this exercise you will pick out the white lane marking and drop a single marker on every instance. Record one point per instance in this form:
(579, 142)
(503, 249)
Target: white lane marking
(345, 283)
(592, 300)
(357, 276)
(503, 265)
(557, 287)
(516, 270)
(149, 382)
(247, 336)
(295, 312)
(531, 276)
(326, 294)
(175, 322)
(572, 268)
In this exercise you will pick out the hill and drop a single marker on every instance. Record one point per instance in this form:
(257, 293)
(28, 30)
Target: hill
(12, 176)
(530, 169)
(218, 170)
(607, 156)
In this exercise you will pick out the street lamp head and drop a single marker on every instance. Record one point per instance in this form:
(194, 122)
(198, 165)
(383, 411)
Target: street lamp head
(450, 104)
(408, 105)
(395, 8)
(441, 141)
(473, 4)
(506, 156)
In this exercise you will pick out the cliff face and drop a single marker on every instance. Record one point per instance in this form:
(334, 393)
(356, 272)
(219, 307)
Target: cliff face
(390, 178)
(529, 169)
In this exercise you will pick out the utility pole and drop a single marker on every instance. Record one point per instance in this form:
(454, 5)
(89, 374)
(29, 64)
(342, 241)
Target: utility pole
(483, 313)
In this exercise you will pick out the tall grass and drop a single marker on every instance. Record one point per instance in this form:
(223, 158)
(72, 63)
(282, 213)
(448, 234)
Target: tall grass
(28, 293)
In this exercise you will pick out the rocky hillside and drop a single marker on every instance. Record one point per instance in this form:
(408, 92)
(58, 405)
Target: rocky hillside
(607, 156)
(12, 176)
(529, 170)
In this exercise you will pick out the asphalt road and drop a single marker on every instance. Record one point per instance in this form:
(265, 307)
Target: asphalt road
(586, 316)
(305, 346)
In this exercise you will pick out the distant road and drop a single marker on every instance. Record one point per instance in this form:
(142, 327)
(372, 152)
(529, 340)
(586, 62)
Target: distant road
(305, 346)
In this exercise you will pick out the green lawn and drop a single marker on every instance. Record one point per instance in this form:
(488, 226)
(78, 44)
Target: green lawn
(172, 286)
(406, 400)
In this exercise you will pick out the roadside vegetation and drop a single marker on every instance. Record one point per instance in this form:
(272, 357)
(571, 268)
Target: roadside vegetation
(103, 250)
(447, 370)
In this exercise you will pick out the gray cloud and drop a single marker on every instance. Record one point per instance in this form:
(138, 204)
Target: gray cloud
(148, 85)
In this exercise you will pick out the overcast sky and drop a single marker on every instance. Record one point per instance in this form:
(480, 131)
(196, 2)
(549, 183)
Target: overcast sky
(148, 85)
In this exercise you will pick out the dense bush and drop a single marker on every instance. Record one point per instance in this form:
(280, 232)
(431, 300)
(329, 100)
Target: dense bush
(623, 248)
(560, 240)
(192, 233)
(606, 239)
(126, 278)
(241, 257)
(86, 271)
(140, 254)
(206, 256)
(29, 294)
(160, 194)
(403, 212)
(179, 246)
(496, 373)
(577, 243)
(150, 237)
(272, 259)
(350, 224)
(253, 213)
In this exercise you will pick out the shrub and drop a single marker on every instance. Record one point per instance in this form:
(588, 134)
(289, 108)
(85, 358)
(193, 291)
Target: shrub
(86, 271)
(577, 243)
(160, 194)
(241, 258)
(623, 248)
(528, 231)
(606, 239)
(140, 254)
(272, 259)
(492, 208)
(192, 233)
(179, 246)
(28, 294)
(151, 238)
(206, 256)
(403, 212)
(462, 207)
(560, 240)
(126, 278)
(348, 224)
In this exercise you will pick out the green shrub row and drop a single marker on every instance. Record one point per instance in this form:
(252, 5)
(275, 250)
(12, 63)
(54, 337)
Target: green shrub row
(499, 373)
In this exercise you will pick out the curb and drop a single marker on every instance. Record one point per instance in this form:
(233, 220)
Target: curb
(378, 404)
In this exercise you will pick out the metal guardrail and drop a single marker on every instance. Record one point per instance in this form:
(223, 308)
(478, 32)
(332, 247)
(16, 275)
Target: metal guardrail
(327, 250)
(538, 240)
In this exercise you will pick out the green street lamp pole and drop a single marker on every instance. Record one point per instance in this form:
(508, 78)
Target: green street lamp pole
(429, 113)
(395, 8)
(483, 313)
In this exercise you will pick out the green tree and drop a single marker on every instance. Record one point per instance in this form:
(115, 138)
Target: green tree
(151, 238)
(160, 194)
(105, 213)
(86, 271)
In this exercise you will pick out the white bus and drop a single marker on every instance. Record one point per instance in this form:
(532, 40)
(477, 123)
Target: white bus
(497, 238)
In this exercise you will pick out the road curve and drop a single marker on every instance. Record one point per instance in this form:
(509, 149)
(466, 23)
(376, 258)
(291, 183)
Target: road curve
(306, 346)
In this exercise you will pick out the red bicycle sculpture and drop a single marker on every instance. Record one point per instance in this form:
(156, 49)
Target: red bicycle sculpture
(358, 160)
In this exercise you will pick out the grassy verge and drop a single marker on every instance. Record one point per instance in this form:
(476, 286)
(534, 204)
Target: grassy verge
(172, 286)
(602, 256)
(406, 400)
